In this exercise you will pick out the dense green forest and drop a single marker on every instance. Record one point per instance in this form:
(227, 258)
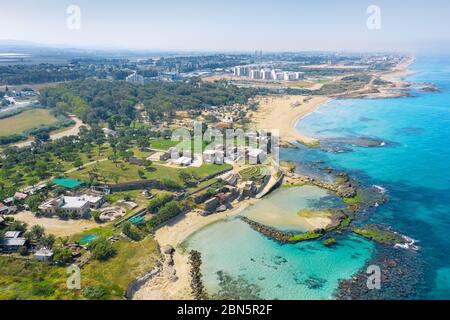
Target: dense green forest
(114, 102)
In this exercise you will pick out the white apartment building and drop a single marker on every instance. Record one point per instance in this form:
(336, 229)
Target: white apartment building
(266, 74)
(135, 79)
(255, 74)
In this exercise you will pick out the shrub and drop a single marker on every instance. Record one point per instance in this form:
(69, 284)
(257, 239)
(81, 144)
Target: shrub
(23, 251)
(93, 293)
(102, 249)
(156, 203)
(131, 231)
(169, 211)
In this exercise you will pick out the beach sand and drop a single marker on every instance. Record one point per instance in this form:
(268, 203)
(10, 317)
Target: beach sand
(174, 234)
(282, 112)
(275, 112)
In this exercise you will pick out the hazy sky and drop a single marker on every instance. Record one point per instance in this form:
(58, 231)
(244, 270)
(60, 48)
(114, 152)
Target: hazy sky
(233, 25)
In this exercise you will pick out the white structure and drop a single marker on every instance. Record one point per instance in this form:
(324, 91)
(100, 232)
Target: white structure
(227, 119)
(44, 254)
(299, 75)
(95, 202)
(241, 71)
(51, 206)
(109, 133)
(183, 161)
(77, 205)
(256, 156)
(255, 74)
(135, 79)
(289, 76)
(266, 74)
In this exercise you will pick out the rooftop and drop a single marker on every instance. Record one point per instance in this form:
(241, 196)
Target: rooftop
(12, 234)
(67, 183)
(74, 202)
(14, 242)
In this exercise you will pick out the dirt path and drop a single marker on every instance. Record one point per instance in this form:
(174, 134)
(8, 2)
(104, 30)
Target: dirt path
(71, 131)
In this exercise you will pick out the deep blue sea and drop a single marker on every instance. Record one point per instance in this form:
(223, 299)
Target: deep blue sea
(412, 165)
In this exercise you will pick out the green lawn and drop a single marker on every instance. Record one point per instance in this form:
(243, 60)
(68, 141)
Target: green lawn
(26, 120)
(163, 144)
(127, 172)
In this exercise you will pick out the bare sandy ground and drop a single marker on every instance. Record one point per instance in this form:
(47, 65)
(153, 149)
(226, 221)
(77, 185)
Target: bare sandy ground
(59, 228)
(282, 113)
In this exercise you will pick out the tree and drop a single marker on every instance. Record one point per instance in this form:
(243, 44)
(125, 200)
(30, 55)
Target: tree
(33, 202)
(102, 249)
(23, 251)
(78, 163)
(48, 241)
(36, 233)
(62, 256)
(131, 231)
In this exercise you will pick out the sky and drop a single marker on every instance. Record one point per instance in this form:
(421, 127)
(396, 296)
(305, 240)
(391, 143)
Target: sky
(231, 25)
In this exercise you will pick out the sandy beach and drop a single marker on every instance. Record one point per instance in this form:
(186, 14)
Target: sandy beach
(274, 112)
(282, 112)
(173, 234)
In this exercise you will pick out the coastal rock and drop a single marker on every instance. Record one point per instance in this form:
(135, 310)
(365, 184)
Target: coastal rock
(168, 249)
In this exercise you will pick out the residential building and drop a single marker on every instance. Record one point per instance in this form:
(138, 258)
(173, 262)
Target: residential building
(44, 254)
(51, 206)
(109, 133)
(183, 161)
(135, 79)
(255, 74)
(256, 156)
(12, 241)
(76, 205)
(209, 156)
(95, 202)
(289, 76)
(3, 209)
(266, 74)
(20, 196)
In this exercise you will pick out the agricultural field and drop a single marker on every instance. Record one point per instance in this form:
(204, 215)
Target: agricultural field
(26, 120)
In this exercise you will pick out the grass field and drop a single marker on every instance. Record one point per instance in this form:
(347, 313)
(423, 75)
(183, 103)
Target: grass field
(126, 172)
(25, 279)
(26, 120)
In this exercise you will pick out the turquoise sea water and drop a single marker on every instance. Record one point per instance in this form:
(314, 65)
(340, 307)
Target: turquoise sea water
(301, 271)
(414, 168)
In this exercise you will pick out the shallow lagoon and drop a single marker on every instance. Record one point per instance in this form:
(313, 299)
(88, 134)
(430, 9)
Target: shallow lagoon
(263, 268)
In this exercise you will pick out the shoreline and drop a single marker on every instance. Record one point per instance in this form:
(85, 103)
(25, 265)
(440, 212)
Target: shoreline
(284, 113)
(174, 234)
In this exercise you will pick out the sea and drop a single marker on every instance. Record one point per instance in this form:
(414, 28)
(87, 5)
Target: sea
(407, 159)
